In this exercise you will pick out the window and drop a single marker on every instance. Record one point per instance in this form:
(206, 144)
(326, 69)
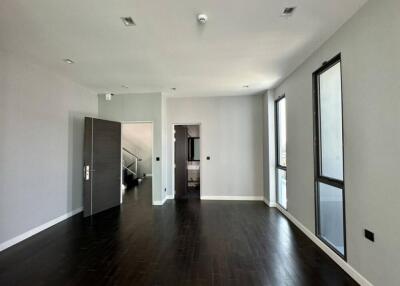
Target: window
(280, 113)
(328, 150)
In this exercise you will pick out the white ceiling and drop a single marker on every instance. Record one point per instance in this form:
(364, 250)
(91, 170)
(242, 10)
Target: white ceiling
(245, 42)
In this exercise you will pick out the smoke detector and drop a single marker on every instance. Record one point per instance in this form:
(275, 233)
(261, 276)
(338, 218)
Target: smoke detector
(202, 18)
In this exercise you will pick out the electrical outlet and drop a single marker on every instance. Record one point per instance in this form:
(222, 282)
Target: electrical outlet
(369, 235)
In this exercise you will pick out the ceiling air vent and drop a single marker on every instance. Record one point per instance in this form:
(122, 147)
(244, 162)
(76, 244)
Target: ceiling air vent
(128, 21)
(288, 11)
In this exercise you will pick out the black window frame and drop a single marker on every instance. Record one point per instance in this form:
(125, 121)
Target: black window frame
(318, 176)
(277, 148)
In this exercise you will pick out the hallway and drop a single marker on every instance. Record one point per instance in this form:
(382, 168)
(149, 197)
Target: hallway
(180, 243)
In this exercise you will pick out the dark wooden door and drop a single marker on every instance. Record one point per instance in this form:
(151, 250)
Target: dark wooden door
(102, 165)
(181, 155)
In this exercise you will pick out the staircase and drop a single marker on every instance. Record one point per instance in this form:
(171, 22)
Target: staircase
(131, 175)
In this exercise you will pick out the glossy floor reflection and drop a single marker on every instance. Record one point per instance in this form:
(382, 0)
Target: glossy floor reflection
(183, 243)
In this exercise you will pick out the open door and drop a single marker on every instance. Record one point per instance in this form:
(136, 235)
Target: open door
(181, 155)
(102, 165)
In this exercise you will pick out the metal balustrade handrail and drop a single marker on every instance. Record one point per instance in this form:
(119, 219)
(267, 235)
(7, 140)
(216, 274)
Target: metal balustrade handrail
(130, 153)
(134, 164)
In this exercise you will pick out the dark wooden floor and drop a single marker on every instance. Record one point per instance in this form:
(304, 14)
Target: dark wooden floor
(182, 243)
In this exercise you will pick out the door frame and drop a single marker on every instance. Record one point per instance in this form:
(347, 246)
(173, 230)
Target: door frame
(173, 155)
(152, 157)
(278, 166)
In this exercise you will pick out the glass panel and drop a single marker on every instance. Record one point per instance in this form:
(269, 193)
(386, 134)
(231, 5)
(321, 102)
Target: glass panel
(330, 95)
(196, 149)
(282, 132)
(331, 216)
(282, 199)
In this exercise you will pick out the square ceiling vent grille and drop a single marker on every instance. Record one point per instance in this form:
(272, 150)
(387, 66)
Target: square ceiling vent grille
(288, 11)
(128, 21)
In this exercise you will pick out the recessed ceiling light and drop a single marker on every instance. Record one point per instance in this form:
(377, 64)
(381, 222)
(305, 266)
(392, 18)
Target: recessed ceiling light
(128, 21)
(288, 11)
(68, 61)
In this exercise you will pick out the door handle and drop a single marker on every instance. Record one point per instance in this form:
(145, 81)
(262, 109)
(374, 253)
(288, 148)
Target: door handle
(86, 172)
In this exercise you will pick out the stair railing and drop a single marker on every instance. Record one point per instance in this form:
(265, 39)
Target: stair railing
(133, 167)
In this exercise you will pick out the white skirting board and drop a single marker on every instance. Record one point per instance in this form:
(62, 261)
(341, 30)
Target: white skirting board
(38, 229)
(215, 198)
(232, 198)
(160, 203)
(270, 204)
(338, 260)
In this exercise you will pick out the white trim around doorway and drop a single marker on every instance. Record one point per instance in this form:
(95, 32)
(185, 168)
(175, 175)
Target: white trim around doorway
(173, 156)
(153, 186)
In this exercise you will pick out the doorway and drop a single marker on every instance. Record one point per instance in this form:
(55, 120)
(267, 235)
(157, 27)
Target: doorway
(136, 157)
(187, 162)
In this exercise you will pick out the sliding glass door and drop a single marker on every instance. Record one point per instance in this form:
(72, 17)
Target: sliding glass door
(280, 137)
(328, 149)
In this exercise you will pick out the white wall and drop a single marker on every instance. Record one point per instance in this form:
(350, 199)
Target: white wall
(41, 145)
(370, 47)
(164, 147)
(231, 134)
(138, 139)
(140, 107)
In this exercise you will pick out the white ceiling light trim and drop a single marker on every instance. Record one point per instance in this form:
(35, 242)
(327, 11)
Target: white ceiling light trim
(68, 61)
